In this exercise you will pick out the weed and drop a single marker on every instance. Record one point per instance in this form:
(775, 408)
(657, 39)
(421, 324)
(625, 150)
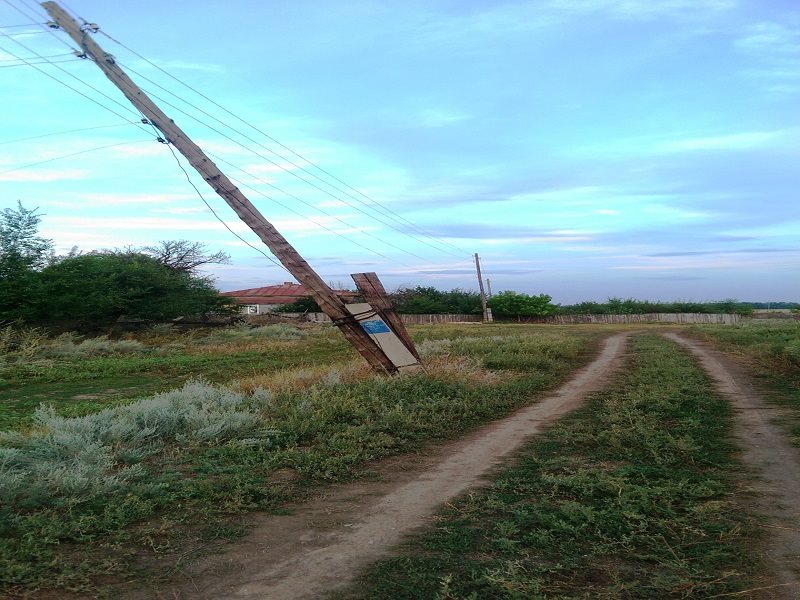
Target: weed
(204, 453)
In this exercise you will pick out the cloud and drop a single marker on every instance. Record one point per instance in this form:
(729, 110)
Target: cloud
(121, 199)
(526, 17)
(770, 38)
(180, 65)
(774, 49)
(440, 117)
(732, 141)
(45, 175)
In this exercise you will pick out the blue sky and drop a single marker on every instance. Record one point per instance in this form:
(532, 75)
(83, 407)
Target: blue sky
(585, 148)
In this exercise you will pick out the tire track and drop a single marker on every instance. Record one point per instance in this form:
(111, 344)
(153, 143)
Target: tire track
(773, 460)
(329, 541)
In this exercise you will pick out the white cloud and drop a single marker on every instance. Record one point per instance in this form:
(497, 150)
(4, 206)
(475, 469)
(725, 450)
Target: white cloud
(120, 199)
(775, 50)
(440, 117)
(733, 141)
(180, 65)
(45, 175)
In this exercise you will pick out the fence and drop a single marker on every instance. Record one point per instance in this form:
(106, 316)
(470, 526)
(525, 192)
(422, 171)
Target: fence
(313, 317)
(682, 318)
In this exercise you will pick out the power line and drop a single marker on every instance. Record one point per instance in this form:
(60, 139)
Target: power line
(238, 143)
(55, 133)
(155, 129)
(289, 208)
(213, 212)
(54, 78)
(29, 63)
(372, 201)
(42, 62)
(49, 160)
(45, 56)
(41, 24)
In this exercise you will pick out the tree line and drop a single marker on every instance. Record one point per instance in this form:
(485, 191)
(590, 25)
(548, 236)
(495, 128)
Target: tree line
(93, 290)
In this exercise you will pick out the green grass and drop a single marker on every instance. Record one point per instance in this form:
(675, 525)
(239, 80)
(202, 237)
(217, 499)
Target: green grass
(770, 353)
(77, 384)
(96, 500)
(631, 497)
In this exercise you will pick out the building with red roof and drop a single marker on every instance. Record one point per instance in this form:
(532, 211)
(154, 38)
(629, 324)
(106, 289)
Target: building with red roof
(262, 300)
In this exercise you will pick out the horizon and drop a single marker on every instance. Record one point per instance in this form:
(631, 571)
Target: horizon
(585, 149)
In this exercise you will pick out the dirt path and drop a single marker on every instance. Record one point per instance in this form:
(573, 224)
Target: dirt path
(773, 461)
(328, 541)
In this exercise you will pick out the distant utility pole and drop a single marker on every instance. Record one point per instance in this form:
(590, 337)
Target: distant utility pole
(486, 314)
(489, 288)
(333, 306)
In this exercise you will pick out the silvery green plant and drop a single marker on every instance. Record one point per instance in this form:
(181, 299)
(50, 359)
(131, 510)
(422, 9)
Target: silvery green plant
(76, 458)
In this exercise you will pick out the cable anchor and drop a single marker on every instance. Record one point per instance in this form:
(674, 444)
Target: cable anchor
(53, 25)
(80, 54)
(162, 140)
(90, 27)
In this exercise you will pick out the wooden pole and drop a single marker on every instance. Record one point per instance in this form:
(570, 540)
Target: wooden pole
(331, 304)
(488, 288)
(375, 295)
(480, 286)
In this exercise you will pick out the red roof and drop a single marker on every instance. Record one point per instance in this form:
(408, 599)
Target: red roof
(284, 293)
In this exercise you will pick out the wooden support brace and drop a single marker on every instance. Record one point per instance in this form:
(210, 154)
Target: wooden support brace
(375, 294)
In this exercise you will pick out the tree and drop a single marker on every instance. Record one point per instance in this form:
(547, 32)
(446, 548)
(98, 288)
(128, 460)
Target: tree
(96, 289)
(301, 305)
(19, 240)
(184, 255)
(512, 304)
(22, 254)
(429, 300)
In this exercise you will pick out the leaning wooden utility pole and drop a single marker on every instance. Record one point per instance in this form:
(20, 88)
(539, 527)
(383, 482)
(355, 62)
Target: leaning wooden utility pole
(486, 316)
(333, 306)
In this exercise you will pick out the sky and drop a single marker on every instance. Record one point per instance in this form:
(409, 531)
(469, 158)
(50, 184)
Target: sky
(585, 149)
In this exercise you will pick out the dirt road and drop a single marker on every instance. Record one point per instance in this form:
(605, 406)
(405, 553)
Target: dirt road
(330, 540)
(773, 462)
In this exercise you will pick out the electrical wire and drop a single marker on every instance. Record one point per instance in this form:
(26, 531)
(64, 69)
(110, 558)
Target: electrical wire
(240, 183)
(42, 25)
(55, 133)
(27, 62)
(331, 175)
(289, 208)
(238, 143)
(213, 212)
(47, 56)
(45, 62)
(77, 91)
(49, 160)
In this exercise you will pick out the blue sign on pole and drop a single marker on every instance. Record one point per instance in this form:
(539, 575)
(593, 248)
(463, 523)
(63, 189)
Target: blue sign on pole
(375, 327)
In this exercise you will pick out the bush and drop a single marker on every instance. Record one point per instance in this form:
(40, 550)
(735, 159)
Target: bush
(75, 458)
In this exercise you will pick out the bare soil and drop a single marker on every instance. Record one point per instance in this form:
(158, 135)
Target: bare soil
(774, 469)
(327, 541)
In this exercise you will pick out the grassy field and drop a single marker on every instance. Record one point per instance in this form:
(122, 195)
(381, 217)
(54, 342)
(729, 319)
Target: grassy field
(107, 482)
(630, 497)
(770, 352)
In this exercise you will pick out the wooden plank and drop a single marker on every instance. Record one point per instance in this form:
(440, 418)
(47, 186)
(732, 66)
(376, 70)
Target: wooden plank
(375, 294)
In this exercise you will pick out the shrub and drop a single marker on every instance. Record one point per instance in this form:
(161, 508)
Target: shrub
(75, 458)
